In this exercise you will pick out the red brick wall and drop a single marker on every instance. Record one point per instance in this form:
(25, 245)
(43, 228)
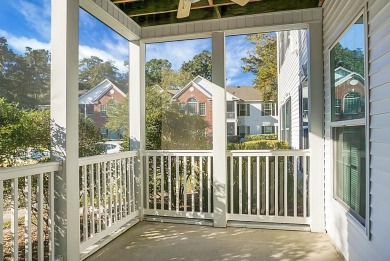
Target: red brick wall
(201, 98)
(99, 120)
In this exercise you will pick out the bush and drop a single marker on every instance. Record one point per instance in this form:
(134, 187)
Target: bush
(259, 145)
(261, 137)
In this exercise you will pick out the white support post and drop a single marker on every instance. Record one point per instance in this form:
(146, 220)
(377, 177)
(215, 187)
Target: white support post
(219, 130)
(316, 129)
(64, 121)
(137, 114)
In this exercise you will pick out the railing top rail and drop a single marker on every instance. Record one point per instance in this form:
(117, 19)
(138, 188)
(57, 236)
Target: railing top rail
(106, 157)
(269, 153)
(177, 153)
(28, 170)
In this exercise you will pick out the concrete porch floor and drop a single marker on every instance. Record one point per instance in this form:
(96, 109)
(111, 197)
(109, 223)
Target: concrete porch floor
(166, 241)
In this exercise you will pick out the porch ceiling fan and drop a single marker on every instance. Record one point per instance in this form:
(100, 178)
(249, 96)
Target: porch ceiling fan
(185, 6)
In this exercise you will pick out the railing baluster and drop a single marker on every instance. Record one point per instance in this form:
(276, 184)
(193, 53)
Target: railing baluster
(295, 186)
(192, 184)
(276, 186)
(133, 184)
(249, 187)
(99, 229)
(304, 186)
(105, 194)
(14, 219)
(120, 190)
(27, 219)
(258, 184)
(128, 185)
(162, 182)
(200, 184)
(185, 183)
(40, 219)
(169, 183)
(209, 184)
(116, 190)
(51, 217)
(85, 203)
(285, 186)
(240, 184)
(92, 198)
(154, 184)
(267, 186)
(111, 172)
(1, 219)
(177, 184)
(231, 186)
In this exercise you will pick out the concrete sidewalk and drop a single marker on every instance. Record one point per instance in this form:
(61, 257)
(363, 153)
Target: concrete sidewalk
(164, 241)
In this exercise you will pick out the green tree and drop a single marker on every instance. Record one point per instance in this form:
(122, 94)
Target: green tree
(94, 70)
(118, 116)
(261, 61)
(173, 80)
(352, 60)
(200, 64)
(153, 71)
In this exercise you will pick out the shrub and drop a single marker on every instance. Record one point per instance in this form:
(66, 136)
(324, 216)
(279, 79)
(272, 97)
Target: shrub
(261, 137)
(259, 145)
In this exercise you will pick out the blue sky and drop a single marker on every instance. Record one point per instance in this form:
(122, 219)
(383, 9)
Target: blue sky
(30, 26)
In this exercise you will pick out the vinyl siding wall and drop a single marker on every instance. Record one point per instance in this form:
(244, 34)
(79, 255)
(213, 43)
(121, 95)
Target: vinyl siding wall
(289, 79)
(349, 238)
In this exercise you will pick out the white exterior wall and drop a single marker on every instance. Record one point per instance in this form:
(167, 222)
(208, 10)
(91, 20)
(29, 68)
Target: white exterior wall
(289, 79)
(256, 120)
(349, 238)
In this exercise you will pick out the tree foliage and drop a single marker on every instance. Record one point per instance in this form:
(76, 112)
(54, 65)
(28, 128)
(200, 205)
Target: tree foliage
(153, 71)
(200, 64)
(24, 79)
(352, 60)
(94, 70)
(261, 61)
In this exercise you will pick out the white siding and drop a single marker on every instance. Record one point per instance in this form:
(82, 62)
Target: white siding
(289, 79)
(256, 120)
(348, 238)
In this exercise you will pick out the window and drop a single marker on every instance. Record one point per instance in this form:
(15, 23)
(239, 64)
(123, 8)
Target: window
(244, 130)
(267, 129)
(202, 109)
(103, 110)
(192, 106)
(111, 104)
(267, 109)
(182, 107)
(230, 114)
(103, 132)
(348, 92)
(285, 125)
(243, 110)
(351, 103)
(230, 128)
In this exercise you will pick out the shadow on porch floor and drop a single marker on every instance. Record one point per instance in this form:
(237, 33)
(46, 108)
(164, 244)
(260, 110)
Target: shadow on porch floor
(164, 241)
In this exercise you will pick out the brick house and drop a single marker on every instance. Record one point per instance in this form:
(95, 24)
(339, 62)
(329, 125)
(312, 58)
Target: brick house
(246, 113)
(95, 103)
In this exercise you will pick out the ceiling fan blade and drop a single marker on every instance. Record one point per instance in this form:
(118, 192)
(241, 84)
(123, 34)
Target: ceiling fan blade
(240, 2)
(183, 9)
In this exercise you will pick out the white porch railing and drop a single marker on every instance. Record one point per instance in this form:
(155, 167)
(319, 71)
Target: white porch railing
(179, 184)
(27, 203)
(268, 186)
(107, 195)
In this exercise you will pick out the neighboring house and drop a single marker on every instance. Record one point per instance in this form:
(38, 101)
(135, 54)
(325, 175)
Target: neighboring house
(95, 103)
(253, 116)
(292, 57)
(245, 111)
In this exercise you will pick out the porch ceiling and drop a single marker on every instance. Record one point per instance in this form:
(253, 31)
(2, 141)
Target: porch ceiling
(159, 12)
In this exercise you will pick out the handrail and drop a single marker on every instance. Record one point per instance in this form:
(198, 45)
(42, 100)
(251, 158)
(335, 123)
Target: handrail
(29, 170)
(268, 153)
(106, 157)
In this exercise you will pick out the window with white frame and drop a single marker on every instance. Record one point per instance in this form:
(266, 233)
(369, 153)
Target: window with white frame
(230, 126)
(182, 107)
(243, 110)
(347, 59)
(192, 106)
(267, 129)
(103, 110)
(244, 130)
(267, 111)
(202, 109)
